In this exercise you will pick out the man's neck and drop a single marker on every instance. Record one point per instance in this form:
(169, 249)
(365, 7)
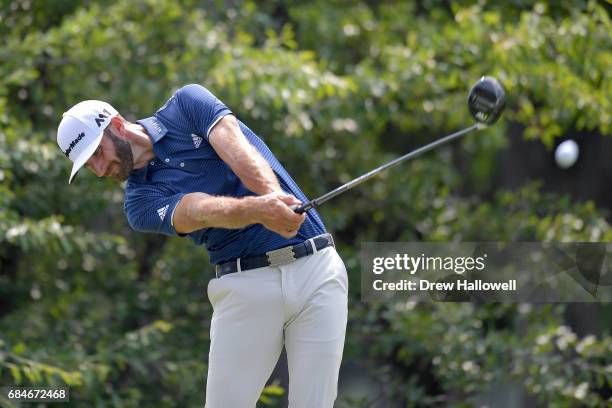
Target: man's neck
(142, 146)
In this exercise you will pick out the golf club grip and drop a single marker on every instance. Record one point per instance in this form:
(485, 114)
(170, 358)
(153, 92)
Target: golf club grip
(300, 209)
(296, 208)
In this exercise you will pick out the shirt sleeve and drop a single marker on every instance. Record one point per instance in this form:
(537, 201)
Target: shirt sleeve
(150, 209)
(201, 108)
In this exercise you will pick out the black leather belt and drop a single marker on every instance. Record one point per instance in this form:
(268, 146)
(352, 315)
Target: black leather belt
(277, 257)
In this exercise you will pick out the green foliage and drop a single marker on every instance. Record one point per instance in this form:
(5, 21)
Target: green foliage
(471, 347)
(123, 319)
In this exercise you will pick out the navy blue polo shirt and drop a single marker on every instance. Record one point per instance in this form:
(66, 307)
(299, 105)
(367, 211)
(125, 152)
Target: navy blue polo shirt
(185, 162)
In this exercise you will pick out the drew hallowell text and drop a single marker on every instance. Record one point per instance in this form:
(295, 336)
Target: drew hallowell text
(463, 285)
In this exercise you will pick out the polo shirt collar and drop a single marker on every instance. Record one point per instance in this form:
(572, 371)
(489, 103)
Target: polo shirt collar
(154, 127)
(156, 131)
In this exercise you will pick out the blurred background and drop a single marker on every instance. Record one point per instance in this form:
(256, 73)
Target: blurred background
(335, 88)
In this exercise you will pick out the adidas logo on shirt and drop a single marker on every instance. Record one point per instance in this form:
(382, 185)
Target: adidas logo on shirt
(197, 140)
(162, 212)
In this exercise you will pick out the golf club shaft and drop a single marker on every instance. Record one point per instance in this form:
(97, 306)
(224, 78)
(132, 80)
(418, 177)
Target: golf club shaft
(415, 153)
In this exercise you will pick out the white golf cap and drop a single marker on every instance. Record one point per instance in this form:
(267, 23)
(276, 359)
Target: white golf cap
(81, 129)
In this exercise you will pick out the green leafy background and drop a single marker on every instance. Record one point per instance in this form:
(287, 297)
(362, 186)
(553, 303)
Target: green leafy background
(335, 88)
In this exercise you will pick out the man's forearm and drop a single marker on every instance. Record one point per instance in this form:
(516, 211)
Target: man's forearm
(256, 174)
(243, 158)
(198, 210)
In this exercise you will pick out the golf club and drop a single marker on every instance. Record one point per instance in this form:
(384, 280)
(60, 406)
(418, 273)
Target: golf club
(486, 102)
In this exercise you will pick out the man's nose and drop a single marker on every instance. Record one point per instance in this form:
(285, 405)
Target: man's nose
(96, 166)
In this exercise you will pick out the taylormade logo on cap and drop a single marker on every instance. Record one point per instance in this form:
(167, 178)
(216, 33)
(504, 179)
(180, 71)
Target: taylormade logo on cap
(81, 129)
(73, 143)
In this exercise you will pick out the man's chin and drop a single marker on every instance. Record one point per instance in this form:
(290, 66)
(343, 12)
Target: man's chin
(120, 177)
(120, 173)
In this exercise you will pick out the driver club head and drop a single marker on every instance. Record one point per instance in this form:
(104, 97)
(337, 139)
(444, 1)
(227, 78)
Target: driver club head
(487, 100)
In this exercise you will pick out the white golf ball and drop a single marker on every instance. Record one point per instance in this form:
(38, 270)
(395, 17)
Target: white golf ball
(566, 154)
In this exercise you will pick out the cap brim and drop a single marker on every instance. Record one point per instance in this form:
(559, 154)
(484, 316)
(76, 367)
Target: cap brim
(84, 156)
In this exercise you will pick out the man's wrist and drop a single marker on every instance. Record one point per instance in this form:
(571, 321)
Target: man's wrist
(273, 188)
(252, 209)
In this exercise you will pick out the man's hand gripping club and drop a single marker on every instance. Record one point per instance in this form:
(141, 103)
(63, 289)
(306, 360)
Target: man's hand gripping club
(276, 215)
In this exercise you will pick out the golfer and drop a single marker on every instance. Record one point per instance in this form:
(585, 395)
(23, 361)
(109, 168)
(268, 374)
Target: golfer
(193, 169)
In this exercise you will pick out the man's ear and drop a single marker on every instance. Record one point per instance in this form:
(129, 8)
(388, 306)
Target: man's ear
(119, 126)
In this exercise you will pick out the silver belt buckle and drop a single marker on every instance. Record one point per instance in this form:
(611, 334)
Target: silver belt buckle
(281, 256)
(327, 236)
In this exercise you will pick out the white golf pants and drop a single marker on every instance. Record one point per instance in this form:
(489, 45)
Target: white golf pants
(302, 305)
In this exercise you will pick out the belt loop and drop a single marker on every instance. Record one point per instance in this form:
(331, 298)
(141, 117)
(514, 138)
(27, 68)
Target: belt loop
(238, 266)
(313, 245)
(217, 271)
